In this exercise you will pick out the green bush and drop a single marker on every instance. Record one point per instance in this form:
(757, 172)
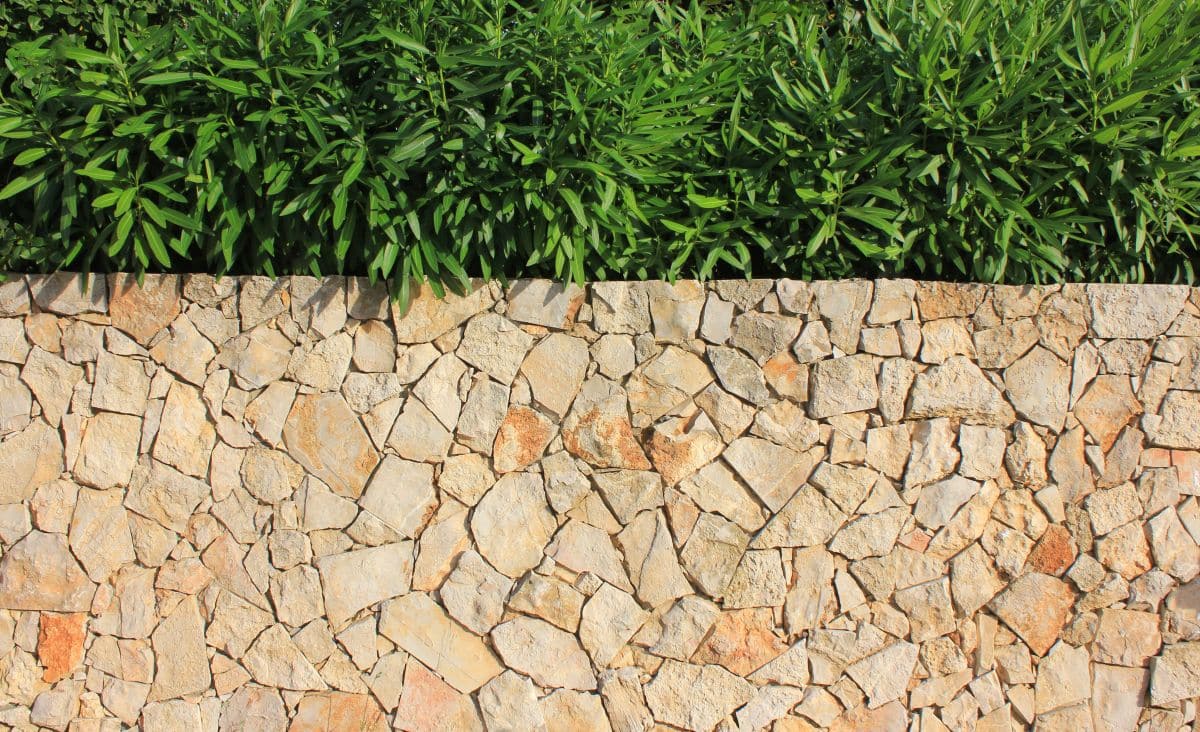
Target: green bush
(996, 140)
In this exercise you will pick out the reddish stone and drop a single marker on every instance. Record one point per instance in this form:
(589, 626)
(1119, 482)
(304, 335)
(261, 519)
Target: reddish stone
(521, 439)
(338, 711)
(604, 441)
(741, 641)
(1187, 467)
(917, 540)
(142, 311)
(677, 450)
(1054, 552)
(60, 644)
(787, 376)
(428, 703)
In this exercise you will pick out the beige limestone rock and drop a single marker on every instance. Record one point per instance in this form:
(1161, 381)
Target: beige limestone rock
(262, 299)
(933, 455)
(257, 358)
(1179, 426)
(1116, 697)
(39, 573)
(185, 437)
(871, 535)
(374, 347)
(1063, 679)
(181, 663)
(957, 388)
(1126, 637)
(843, 305)
(568, 711)
(998, 348)
(512, 523)
(67, 293)
(324, 364)
(1125, 311)
(438, 389)
(474, 593)
(551, 657)
(121, 385)
(772, 471)
(764, 335)
(620, 308)
(715, 488)
(843, 385)
(808, 518)
(739, 374)
(29, 459)
(941, 339)
(543, 302)
(1038, 385)
(555, 369)
(712, 553)
(418, 434)
(270, 475)
(417, 625)
(495, 345)
(253, 707)
(509, 701)
(684, 626)
(276, 661)
(99, 533)
(108, 451)
(327, 711)
(52, 381)
(296, 595)
(610, 618)
(354, 580)
(401, 494)
(550, 599)
(649, 552)
(1125, 551)
(884, 675)
(164, 495)
(694, 696)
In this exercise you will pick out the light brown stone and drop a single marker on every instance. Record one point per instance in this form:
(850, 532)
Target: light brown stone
(417, 625)
(325, 437)
(39, 573)
(1106, 407)
(143, 310)
(1035, 606)
(428, 703)
(334, 711)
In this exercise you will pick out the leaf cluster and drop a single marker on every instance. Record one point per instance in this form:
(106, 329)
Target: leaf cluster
(995, 140)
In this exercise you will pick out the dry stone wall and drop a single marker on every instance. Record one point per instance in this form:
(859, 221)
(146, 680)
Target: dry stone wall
(282, 505)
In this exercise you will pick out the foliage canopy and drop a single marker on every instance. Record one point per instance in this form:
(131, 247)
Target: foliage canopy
(994, 140)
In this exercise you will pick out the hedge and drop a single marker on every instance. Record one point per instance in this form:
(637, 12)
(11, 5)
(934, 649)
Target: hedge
(994, 140)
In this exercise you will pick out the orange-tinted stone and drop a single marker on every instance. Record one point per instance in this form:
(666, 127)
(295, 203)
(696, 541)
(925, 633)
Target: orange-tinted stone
(741, 641)
(1054, 552)
(60, 644)
(338, 711)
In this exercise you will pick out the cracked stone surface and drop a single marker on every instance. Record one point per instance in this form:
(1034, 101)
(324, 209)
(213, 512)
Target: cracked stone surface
(764, 505)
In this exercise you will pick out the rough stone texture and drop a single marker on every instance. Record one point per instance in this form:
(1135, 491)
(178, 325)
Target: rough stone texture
(257, 504)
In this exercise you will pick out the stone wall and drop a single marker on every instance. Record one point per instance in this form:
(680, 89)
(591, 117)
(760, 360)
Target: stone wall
(746, 505)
